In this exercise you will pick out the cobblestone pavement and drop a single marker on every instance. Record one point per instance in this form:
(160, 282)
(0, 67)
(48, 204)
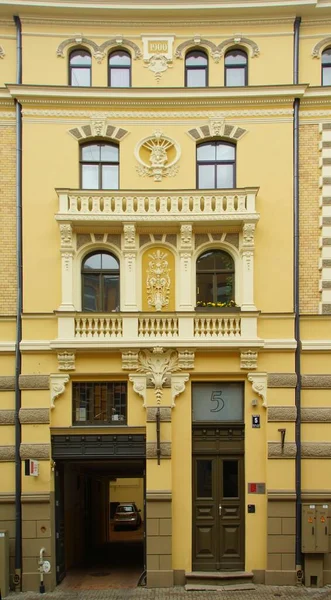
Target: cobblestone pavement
(261, 592)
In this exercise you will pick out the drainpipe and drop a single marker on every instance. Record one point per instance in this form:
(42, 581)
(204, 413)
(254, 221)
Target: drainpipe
(296, 297)
(18, 473)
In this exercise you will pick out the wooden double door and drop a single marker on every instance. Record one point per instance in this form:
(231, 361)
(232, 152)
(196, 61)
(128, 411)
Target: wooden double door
(218, 511)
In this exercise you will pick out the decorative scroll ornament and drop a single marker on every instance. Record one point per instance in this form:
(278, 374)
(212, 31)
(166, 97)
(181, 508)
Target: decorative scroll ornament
(319, 47)
(158, 365)
(58, 382)
(157, 155)
(259, 385)
(66, 235)
(2, 52)
(158, 63)
(158, 280)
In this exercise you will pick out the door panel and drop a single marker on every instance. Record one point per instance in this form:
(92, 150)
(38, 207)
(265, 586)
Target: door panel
(59, 523)
(218, 512)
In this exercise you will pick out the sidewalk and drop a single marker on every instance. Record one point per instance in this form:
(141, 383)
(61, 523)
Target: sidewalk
(261, 592)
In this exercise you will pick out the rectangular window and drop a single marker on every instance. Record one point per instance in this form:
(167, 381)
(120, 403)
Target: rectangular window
(102, 403)
(221, 402)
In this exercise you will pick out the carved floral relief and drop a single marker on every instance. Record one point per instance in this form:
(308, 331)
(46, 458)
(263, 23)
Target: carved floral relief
(158, 280)
(158, 156)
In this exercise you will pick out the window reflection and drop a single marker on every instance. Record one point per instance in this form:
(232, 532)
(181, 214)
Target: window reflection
(100, 283)
(80, 68)
(196, 69)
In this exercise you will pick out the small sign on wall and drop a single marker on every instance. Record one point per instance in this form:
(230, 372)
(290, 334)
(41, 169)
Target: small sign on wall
(256, 488)
(256, 422)
(32, 467)
(158, 45)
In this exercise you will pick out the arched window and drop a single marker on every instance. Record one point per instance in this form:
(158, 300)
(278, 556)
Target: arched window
(236, 68)
(215, 278)
(99, 164)
(326, 67)
(80, 68)
(100, 283)
(196, 69)
(119, 74)
(216, 165)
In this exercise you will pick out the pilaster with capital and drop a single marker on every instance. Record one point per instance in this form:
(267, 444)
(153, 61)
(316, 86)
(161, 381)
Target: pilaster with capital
(129, 280)
(67, 253)
(247, 253)
(185, 269)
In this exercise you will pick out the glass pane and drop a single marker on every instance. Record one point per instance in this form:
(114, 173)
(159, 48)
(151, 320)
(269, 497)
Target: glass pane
(225, 177)
(230, 479)
(90, 177)
(109, 153)
(100, 402)
(110, 293)
(225, 152)
(223, 261)
(326, 57)
(236, 57)
(91, 153)
(91, 293)
(218, 401)
(109, 177)
(235, 77)
(109, 262)
(93, 262)
(80, 57)
(120, 58)
(81, 77)
(204, 287)
(206, 177)
(206, 261)
(224, 287)
(204, 479)
(206, 152)
(327, 75)
(196, 78)
(119, 77)
(196, 59)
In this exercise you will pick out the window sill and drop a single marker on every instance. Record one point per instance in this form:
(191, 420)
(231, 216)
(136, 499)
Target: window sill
(218, 309)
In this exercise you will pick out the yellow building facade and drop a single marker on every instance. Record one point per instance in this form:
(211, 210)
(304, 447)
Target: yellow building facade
(166, 285)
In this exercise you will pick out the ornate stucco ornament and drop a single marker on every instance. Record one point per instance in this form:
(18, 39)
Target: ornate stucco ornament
(2, 52)
(158, 366)
(99, 52)
(217, 52)
(157, 155)
(158, 63)
(158, 280)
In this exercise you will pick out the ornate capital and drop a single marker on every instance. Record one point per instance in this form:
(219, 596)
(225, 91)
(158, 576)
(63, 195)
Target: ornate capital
(66, 361)
(66, 235)
(186, 238)
(248, 234)
(259, 385)
(248, 359)
(129, 231)
(157, 367)
(58, 382)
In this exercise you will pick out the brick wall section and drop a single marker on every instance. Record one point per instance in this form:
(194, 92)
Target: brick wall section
(8, 220)
(309, 219)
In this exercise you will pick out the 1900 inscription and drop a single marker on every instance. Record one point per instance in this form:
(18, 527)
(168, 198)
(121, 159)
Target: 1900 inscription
(157, 46)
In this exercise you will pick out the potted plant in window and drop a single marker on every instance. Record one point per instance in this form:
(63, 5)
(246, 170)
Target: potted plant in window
(224, 307)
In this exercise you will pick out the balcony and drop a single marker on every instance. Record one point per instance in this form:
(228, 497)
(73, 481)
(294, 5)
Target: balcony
(85, 206)
(118, 330)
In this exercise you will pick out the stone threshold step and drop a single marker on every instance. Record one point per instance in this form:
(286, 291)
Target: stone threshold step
(239, 587)
(218, 575)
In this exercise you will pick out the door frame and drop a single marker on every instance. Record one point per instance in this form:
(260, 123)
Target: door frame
(229, 441)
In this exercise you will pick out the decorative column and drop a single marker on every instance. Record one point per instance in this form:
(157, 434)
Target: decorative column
(158, 378)
(184, 277)
(67, 253)
(129, 277)
(247, 253)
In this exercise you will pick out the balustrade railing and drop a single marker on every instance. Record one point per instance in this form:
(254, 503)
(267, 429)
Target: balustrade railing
(158, 327)
(217, 327)
(98, 327)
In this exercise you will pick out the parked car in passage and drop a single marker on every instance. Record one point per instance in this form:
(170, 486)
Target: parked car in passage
(127, 515)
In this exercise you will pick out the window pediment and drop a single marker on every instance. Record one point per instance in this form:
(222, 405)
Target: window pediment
(217, 128)
(217, 51)
(99, 52)
(98, 128)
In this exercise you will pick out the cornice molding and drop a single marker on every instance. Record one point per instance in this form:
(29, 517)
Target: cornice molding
(185, 116)
(64, 95)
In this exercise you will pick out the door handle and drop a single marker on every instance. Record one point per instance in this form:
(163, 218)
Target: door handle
(220, 510)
